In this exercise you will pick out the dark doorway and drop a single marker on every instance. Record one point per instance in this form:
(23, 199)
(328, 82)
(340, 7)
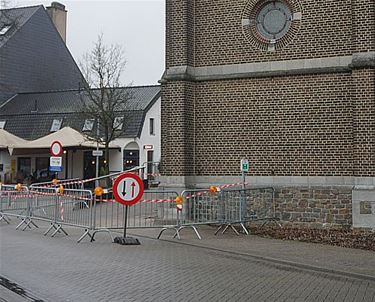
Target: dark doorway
(150, 166)
(24, 169)
(89, 165)
(131, 159)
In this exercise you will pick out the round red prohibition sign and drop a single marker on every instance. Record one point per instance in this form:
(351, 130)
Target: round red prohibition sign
(128, 189)
(56, 148)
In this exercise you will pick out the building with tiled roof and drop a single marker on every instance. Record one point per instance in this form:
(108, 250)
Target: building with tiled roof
(40, 93)
(33, 55)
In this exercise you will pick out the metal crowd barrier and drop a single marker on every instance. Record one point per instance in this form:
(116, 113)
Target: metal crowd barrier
(71, 207)
(157, 209)
(77, 207)
(73, 183)
(228, 207)
(14, 202)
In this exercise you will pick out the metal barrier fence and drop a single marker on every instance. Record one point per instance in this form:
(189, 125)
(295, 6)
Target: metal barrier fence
(73, 183)
(69, 207)
(14, 202)
(79, 208)
(151, 173)
(228, 207)
(157, 209)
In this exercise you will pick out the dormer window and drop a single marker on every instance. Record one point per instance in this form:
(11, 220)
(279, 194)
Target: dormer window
(118, 123)
(2, 124)
(89, 125)
(56, 125)
(4, 29)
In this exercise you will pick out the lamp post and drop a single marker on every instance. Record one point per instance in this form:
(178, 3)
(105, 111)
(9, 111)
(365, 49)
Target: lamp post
(97, 154)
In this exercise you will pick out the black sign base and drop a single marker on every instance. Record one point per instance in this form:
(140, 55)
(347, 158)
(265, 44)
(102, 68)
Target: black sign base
(127, 241)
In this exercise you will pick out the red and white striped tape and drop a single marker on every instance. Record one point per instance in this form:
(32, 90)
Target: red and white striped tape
(61, 211)
(219, 187)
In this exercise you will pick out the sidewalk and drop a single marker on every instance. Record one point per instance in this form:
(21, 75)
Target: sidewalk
(326, 258)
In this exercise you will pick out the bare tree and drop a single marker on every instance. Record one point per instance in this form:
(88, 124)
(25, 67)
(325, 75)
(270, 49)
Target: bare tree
(103, 97)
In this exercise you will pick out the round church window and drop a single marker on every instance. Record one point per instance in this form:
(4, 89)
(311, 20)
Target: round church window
(273, 20)
(270, 25)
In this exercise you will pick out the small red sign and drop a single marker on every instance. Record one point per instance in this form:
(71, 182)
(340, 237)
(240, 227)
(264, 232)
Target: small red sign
(128, 189)
(56, 148)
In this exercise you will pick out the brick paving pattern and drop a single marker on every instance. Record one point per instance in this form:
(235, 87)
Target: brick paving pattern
(59, 269)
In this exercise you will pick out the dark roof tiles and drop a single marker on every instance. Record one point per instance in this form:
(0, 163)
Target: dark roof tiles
(24, 121)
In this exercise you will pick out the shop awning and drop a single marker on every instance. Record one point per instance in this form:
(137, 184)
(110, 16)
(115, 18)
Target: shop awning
(68, 137)
(8, 140)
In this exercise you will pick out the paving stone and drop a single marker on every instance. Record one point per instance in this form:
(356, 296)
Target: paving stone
(58, 269)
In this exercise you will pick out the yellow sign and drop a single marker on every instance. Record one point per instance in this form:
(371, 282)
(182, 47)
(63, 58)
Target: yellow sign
(13, 165)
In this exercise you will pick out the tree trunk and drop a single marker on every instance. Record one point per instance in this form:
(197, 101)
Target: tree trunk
(106, 166)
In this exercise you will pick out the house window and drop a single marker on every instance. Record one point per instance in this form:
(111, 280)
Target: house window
(56, 125)
(152, 126)
(2, 124)
(4, 29)
(89, 124)
(118, 123)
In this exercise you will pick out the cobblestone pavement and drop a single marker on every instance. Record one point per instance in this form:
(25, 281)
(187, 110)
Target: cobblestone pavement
(59, 269)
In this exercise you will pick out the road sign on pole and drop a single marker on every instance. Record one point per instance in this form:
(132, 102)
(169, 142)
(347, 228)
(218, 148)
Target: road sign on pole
(56, 148)
(128, 189)
(55, 163)
(244, 165)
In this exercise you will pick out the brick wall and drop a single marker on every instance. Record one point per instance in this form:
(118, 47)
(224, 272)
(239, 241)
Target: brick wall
(177, 124)
(321, 124)
(210, 32)
(364, 121)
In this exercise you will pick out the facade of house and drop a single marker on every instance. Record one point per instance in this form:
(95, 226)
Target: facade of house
(31, 116)
(40, 93)
(289, 85)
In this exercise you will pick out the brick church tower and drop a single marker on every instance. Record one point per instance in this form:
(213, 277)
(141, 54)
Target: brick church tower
(288, 84)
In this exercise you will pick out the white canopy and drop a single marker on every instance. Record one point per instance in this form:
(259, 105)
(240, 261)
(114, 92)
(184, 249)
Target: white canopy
(8, 140)
(67, 136)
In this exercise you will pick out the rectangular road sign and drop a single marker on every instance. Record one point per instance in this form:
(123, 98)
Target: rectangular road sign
(97, 153)
(245, 165)
(55, 163)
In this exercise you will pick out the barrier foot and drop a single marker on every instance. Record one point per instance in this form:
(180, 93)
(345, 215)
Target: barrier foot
(49, 229)
(27, 224)
(226, 226)
(177, 234)
(219, 228)
(233, 228)
(244, 228)
(108, 231)
(86, 233)
(23, 221)
(195, 231)
(3, 217)
(161, 232)
(59, 229)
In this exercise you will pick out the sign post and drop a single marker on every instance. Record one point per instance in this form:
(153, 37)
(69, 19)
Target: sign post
(128, 190)
(244, 169)
(55, 163)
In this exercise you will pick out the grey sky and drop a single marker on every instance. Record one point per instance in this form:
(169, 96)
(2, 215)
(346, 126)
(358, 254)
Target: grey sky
(136, 25)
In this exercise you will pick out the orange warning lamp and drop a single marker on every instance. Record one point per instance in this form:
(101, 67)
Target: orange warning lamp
(179, 200)
(18, 187)
(55, 181)
(213, 189)
(99, 191)
(60, 189)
